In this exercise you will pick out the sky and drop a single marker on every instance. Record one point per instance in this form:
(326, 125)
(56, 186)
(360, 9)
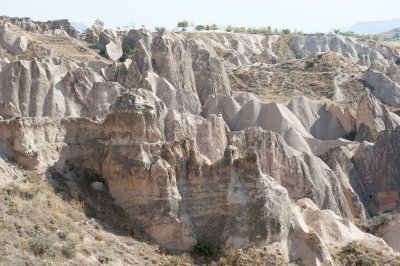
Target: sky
(302, 15)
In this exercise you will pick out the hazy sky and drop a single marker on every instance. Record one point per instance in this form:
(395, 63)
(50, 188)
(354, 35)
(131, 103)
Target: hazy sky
(305, 15)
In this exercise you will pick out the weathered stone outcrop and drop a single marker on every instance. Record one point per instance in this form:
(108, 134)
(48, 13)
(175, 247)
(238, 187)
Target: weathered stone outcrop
(209, 134)
(106, 40)
(11, 41)
(377, 166)
(339, 160)
(161, 182)
(110, 44)
(244, 172)
(55, 88)
(39, 26)
(314, 231)
(181, 71)
(302, 174)
(9, 173)
(389, 231)
(270, 116)
(383, 87)
(180, 177)
(373, 117)
(323, 121)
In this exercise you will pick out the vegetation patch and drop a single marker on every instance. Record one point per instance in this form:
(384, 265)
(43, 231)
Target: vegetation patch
(69, 248)
(42, 244)
(373, 224)
(356, 253)
(350, 135)
(203, 248)
(127, 53)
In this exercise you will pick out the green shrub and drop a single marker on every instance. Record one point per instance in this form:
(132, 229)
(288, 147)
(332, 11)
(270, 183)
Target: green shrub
(127, 52)
(350, 135)
(214, 27)
(310, 64)
(157, 29)
(68, 249)
(357, 254)
(239, 29)
(102, 53)
(203, 248)
(183, 25)
(200, 27)
(41, 244)
(89, 177)
(229, 28)
(174, 262)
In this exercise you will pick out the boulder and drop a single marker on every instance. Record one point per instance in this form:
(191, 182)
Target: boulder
(110, 44)
(11, 41)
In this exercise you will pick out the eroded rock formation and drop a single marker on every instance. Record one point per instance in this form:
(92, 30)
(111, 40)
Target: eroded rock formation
(186, 160)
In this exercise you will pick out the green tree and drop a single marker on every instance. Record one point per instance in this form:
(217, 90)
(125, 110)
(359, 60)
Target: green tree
(208, 27)
(239, 29)
(159, 28)
(214, 27)
(200, 27)
(98, 22)
(183, 25)
(252, 30)
(265, 30)
(229, 28)
(286, 31)
(336, 31)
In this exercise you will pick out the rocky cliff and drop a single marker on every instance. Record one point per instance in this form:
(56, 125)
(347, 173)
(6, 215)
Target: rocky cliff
(190, 158)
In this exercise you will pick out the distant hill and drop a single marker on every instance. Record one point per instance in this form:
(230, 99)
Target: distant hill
(373, 27)
(393, 34)
(79, 26)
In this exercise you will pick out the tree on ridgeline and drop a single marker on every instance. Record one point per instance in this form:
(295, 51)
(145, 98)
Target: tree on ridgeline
(183, 25)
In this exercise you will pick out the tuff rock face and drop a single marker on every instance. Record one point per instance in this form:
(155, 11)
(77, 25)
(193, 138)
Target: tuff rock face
(323, 121)
(377, 165)
(106, 40)
(179, 70)
(303, 175)
(11, 41)
(186, 160)
(40, 27)
(179, 175)
(162, 182)
(373, 117)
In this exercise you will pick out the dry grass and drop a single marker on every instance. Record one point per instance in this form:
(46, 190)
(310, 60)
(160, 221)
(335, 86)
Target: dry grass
(59, 220)
(252, 256)
(75, 49)
(280, 82)
(41, 224)
(356, 253)
(373, 224)
(72, 48)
